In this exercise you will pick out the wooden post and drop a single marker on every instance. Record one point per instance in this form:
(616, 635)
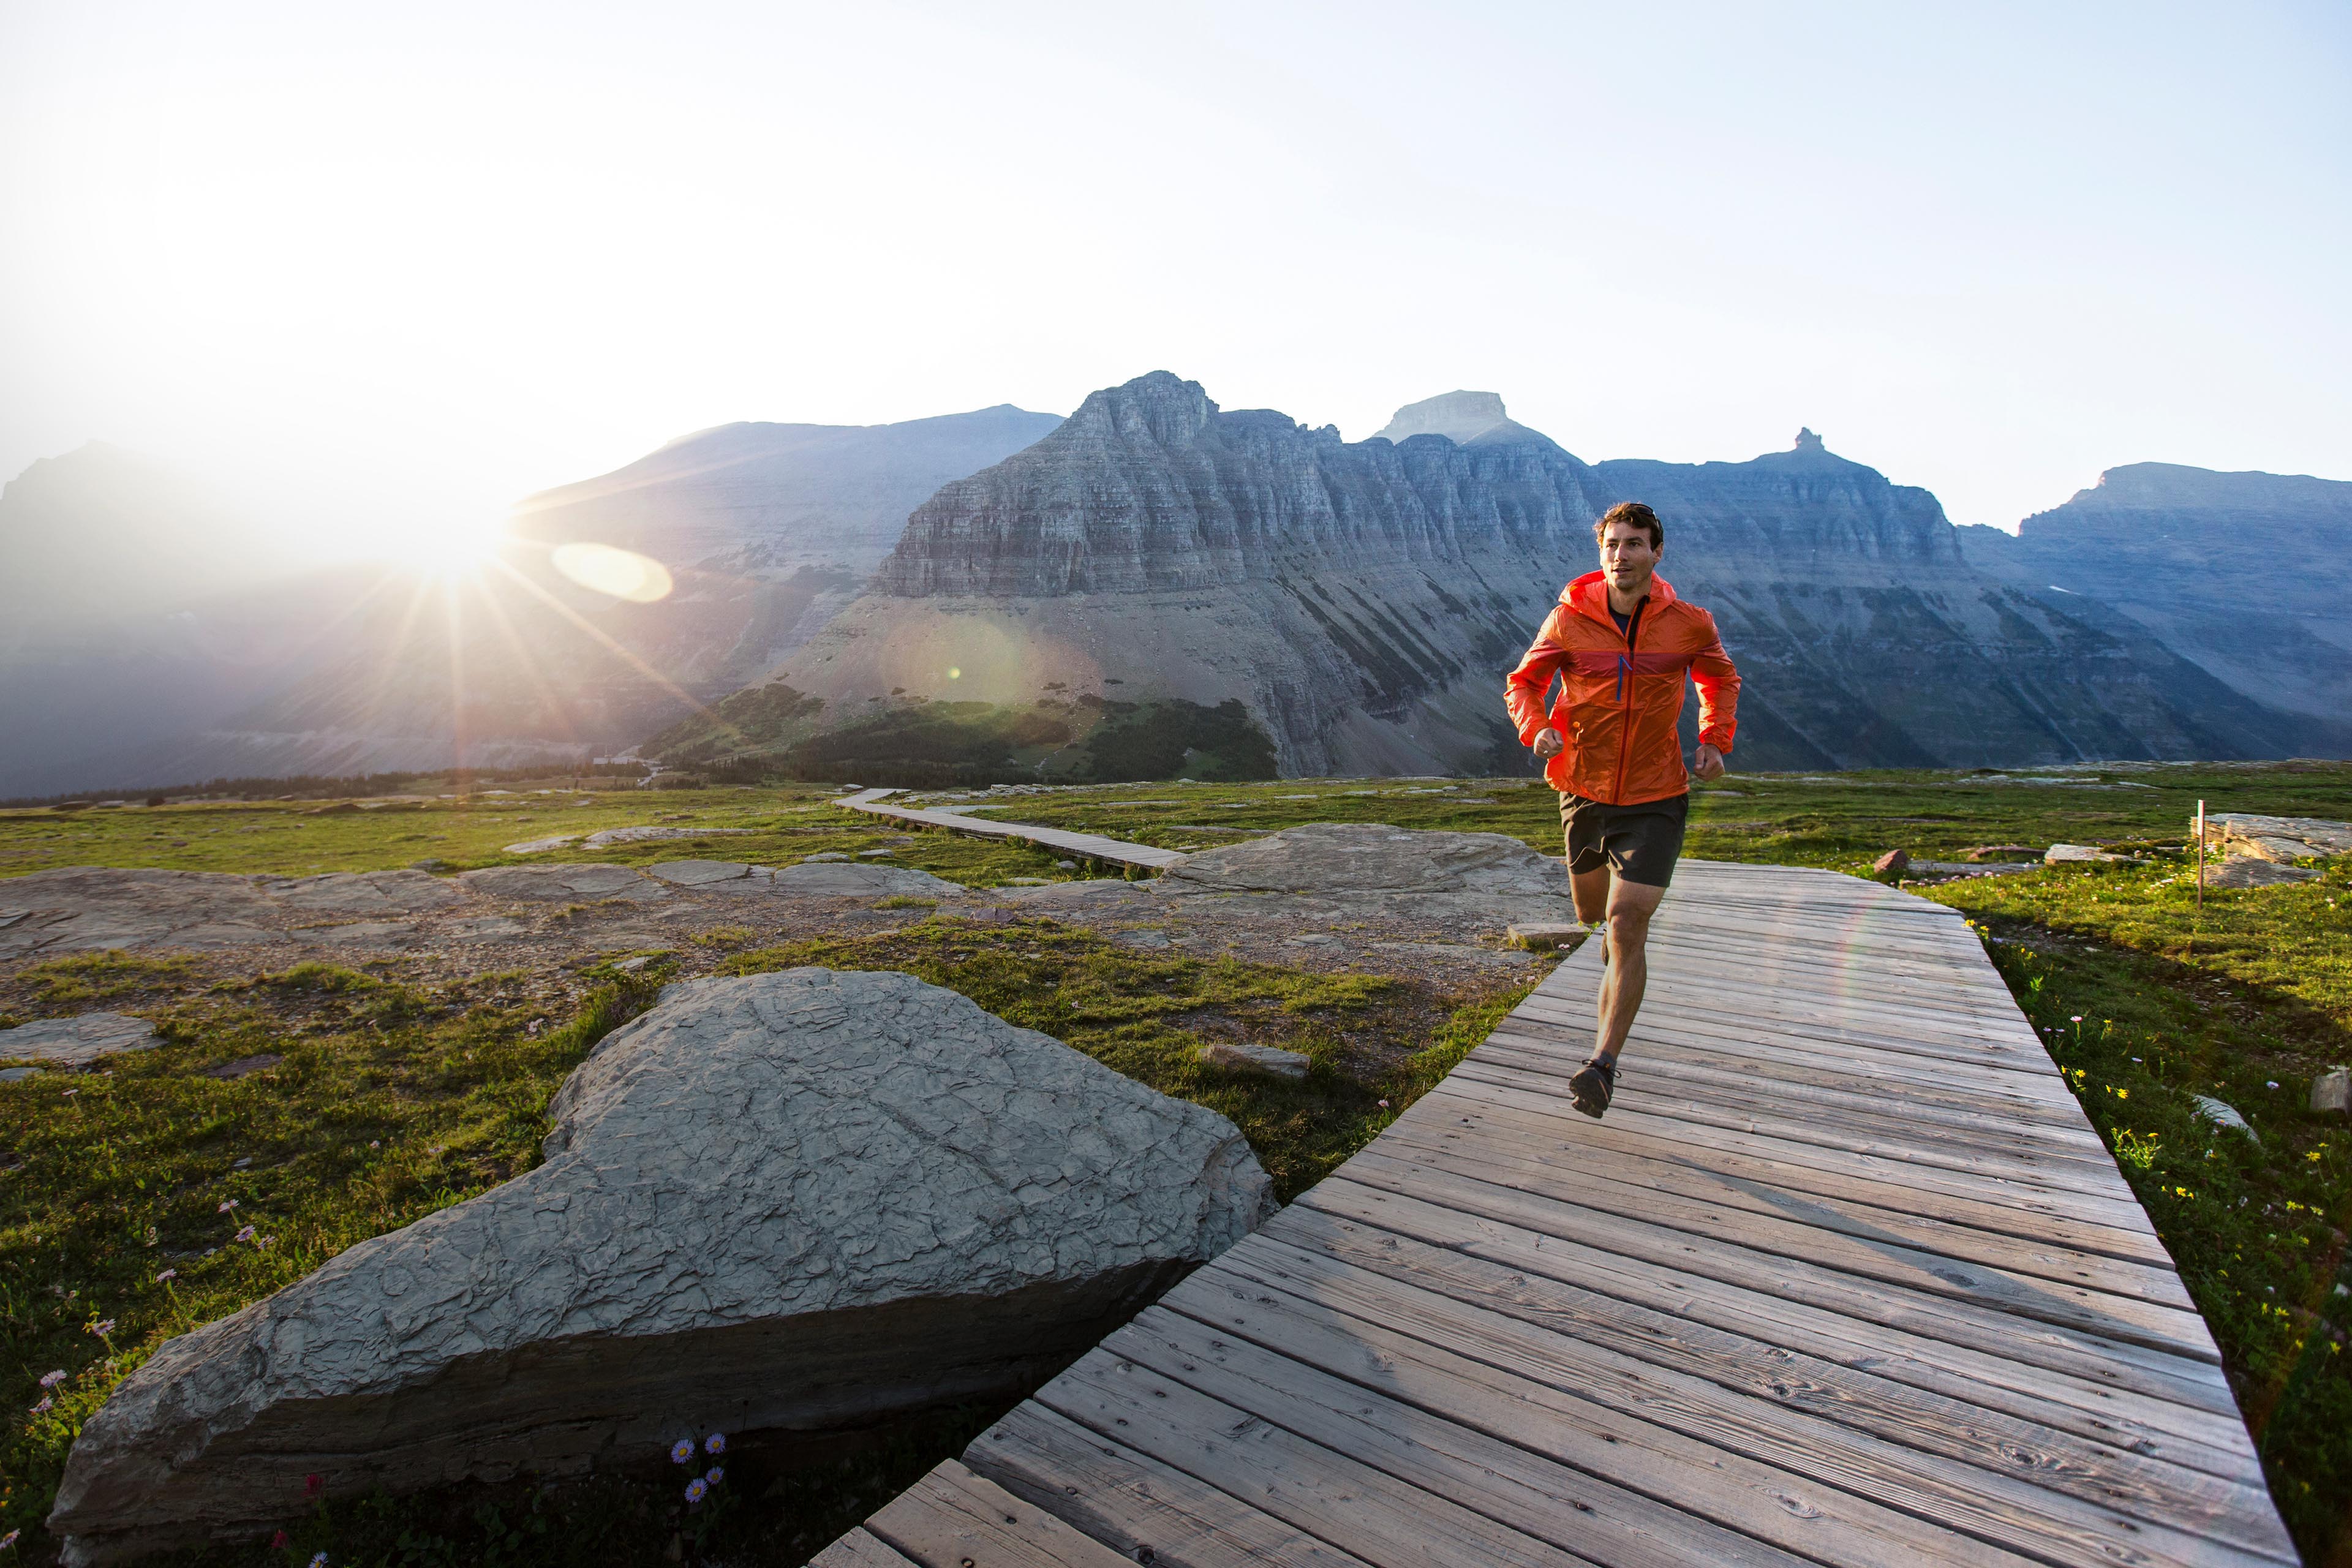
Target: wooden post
(2200, 858)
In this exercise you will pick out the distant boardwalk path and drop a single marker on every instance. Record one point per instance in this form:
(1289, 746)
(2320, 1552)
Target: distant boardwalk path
(1844, 1277)
(1093, 846)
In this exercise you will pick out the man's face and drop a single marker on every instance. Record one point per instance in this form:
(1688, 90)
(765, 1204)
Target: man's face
(1627, 559)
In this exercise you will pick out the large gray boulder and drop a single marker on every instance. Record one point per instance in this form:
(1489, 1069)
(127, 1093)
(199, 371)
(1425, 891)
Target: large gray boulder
(798, 1201)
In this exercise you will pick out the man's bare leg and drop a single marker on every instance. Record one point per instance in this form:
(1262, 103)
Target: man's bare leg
(1630, 906)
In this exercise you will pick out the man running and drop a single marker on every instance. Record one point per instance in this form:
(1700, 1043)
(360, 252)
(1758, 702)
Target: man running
(1620, 641)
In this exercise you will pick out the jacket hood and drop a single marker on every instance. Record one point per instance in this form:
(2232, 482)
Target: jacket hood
(1588, 594)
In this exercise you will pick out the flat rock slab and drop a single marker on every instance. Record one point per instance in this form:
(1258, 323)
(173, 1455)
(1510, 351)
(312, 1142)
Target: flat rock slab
(2279, 837)
(653, 833)
(2080, 854)
(78, 1042)
(89, 909)
(847, 880)
(2250, 871)
(404, 892)
(560, 884)
(702, 873)
(1545, 936)
(801, 1202)
(1478, 874)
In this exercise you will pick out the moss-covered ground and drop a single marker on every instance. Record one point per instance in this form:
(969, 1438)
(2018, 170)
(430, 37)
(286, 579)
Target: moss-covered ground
(393, 1097)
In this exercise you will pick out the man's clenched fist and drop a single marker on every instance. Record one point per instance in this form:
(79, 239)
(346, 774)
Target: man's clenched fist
(1548, 745)
(1708, 764)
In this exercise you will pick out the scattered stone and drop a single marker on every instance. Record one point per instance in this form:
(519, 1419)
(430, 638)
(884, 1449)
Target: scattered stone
(540, 845)
(242, 1066)
(78, 1042)
(1893, 863)
(806, 1201)
(1066, 865)
(1545, 936)
(2004, 851)
(641, 835)
(2082, 854)
(2332, 1090)
(2222, 1114)
(837, 880)
(874, 853)
(1459, 953)
(1972, 868)
(560, 884)
(631, 966)
(824, 856)
(19, 1075)
(1244, 1057)
(2249, 871)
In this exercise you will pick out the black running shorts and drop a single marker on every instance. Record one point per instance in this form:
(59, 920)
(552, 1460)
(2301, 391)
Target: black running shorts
(1640, 843)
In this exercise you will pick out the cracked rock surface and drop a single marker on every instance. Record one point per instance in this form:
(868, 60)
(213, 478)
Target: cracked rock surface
(798, 1201)
(1475, 872)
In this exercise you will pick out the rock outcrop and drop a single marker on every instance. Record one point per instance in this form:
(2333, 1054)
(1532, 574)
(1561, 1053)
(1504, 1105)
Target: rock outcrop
(798, 1201)
(1360, 601)
(2144, 542)
(1480, 873)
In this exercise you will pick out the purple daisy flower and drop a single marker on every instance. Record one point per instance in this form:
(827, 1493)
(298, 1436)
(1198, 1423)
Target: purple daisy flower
(715, 1444)
(695, 1488)
(681, 1451)
(715, 1474)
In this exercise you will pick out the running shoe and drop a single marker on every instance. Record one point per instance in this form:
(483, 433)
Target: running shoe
(1592, 1085)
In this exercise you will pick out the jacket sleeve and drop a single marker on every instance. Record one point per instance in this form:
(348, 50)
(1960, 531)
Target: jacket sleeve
(1719, 690)
(1525, 688)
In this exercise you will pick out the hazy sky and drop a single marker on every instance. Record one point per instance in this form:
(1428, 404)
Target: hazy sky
(393, 265)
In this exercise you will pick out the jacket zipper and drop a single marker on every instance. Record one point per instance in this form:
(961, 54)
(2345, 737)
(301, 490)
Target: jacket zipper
(1625, 725)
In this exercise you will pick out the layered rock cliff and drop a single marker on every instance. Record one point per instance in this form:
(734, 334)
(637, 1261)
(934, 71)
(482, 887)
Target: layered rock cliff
(1362, 600)
(2246, 575)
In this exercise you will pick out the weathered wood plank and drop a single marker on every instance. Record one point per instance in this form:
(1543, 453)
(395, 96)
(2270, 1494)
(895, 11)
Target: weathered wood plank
(1330, 1495)
(1885, 1188)
(1596, 1295)
(1139, 1506)
(858, 1549)
(1499, 1316)
(954, 1519)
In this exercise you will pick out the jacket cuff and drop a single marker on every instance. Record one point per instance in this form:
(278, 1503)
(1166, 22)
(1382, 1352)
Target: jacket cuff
(1716, 736)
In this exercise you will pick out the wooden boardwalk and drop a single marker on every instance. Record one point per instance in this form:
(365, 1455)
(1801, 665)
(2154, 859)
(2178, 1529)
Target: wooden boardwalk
(1083, 845)
(1845, 1277)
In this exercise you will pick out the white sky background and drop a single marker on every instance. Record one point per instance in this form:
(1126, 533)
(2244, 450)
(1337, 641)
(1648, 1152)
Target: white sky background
(389, 268)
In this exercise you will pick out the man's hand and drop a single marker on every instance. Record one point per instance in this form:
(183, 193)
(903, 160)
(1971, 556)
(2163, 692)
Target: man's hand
(1708, 765)
(1548, 745)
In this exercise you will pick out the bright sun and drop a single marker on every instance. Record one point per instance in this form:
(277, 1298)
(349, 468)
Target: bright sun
(444, 555)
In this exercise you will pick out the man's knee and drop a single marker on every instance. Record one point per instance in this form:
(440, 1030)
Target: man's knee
(1628, 927)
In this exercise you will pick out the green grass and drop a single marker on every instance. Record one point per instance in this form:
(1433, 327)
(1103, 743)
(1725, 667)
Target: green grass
(449, 1083)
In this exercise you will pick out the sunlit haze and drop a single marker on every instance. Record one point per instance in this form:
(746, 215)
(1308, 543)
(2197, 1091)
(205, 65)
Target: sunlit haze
(378, 273)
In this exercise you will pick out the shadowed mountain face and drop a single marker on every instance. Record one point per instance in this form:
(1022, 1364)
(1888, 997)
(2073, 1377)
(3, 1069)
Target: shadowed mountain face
(146, 637)
(2245, 575)
(1362, 600)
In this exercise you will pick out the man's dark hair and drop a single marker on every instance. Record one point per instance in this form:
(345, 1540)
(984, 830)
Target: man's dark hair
(1634, 514)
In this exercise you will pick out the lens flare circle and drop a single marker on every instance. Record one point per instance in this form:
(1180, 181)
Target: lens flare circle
(621, 573)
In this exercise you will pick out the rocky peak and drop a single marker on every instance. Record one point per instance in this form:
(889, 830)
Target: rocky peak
(1160, 409)
(1808, 442)
(1461, 417)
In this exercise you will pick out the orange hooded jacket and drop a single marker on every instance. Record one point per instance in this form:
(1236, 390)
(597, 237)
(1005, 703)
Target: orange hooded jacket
(1619, 702)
